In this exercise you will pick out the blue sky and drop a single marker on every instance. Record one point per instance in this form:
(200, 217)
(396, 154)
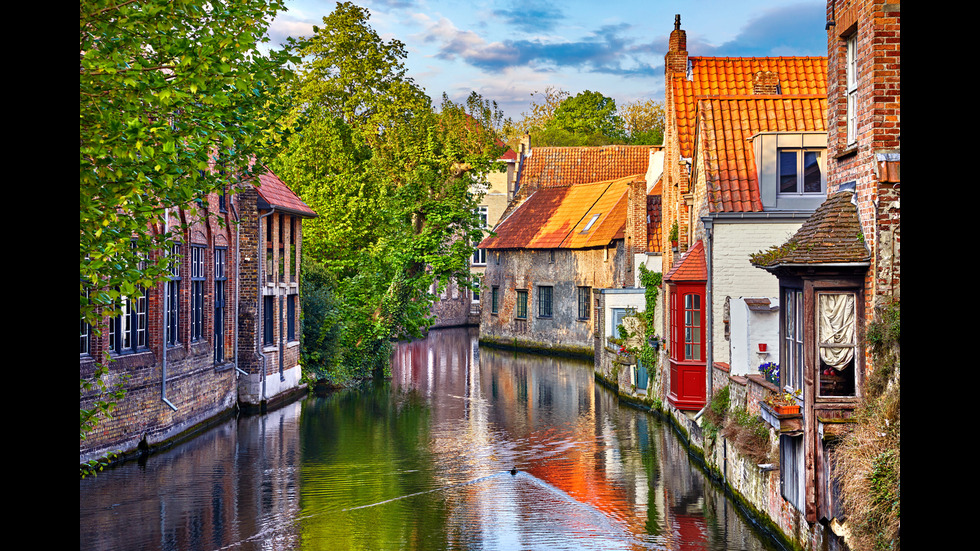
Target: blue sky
(507, 49)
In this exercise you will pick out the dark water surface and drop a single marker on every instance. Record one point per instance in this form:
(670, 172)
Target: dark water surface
(425, 462)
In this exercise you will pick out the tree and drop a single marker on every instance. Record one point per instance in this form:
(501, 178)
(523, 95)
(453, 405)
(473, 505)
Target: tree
(165, 88)
(643, 122)
(390, 178)
(587, 114)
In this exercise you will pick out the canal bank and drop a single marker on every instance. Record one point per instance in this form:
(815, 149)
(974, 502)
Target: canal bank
(724, 439)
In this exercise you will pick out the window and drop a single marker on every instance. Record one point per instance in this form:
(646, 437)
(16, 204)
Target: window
(800, 171)
(692, 327)
(476, 289)
(293, 256)
(173, 297)
(128, 330)
(197, 292)
(592, 221)
(85, 330)
(521, 304)
(584, 302)
(836, 343)
(268, 319)
(852, 83)
(480, 255)
(291, 317)
(544, 301)
(791, 469)
(494, 299)
(791, 374)
(220, 280)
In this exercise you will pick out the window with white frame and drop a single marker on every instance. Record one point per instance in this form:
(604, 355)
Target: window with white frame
(480, 255)
(791, 372)
(791, 471)
(801, 171)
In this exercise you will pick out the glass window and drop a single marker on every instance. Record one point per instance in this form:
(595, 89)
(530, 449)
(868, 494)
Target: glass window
(800, 171)
(291, 317)
(268, 319)
(220, 281)
(173, 297)
(544, 301)
(584, 303)
(791, 374)
(692, 327)
(836, 324)
(197, 292)
(521, 304)
(494, 299)
(852, 82)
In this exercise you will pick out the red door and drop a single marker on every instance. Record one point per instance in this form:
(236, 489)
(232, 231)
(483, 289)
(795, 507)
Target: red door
(687, 359)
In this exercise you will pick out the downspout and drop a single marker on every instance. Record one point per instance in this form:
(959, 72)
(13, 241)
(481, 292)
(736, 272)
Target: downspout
(166, 324)
(261, 307)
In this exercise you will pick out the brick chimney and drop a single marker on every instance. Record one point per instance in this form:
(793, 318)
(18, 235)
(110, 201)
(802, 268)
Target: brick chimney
(676, 59)
(765, 83)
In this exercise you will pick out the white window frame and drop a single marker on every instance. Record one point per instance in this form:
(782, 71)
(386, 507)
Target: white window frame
(852, 88)
(800, 170)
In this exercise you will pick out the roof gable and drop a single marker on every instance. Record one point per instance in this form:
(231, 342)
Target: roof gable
(691, 266)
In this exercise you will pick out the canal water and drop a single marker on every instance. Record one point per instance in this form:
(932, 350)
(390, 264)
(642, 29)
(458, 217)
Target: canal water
(466, 447)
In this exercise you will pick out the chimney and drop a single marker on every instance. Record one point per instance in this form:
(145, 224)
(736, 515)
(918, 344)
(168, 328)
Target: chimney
(765, 83)
(676, 59)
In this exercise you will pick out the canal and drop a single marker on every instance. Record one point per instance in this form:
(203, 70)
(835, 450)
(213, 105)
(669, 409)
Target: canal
(466, 447)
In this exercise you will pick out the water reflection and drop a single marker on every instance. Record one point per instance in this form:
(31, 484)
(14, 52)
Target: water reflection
(424, 462)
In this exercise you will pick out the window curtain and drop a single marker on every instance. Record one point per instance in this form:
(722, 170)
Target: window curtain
(836, 318)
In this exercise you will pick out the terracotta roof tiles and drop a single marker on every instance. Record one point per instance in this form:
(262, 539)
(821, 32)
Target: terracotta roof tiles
(725, 126)
(277, 194)
(571, 216)
(690, 267)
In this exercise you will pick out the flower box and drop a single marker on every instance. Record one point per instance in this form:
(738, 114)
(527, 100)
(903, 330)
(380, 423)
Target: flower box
(786, 410)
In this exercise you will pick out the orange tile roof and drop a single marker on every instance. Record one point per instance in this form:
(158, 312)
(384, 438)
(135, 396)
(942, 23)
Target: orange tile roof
(725, 126)
(557, 216)
(558, 166)
(691, 266)
(725, 76)
(277, 194)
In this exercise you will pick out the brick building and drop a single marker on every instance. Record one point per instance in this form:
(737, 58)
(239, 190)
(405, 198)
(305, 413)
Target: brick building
(844, 260)
(194, 347)
(745, 159)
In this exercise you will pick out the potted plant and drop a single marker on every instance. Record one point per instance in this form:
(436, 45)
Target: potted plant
(673, 235)
(771, 371)
(784, 403)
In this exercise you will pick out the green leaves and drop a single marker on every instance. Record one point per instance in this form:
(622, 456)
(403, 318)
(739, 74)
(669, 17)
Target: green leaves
(390, 178)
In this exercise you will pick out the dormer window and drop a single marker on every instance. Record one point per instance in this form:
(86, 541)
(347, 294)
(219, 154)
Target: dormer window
(800, 171)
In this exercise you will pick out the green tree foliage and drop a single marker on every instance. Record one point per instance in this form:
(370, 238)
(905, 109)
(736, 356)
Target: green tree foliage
(587, 119)
(391, 180)
(165, 86)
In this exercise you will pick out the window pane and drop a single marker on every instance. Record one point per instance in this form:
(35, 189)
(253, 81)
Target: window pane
(811, 172)
(787, 172)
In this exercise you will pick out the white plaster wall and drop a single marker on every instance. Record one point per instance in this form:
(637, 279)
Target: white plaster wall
(732, 275)
(274, 386)
(748, 329)
(621, 298)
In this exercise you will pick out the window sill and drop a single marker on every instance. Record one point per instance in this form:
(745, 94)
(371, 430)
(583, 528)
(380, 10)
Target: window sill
(847, 151)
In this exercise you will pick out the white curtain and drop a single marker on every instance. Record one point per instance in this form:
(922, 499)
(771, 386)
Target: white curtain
(836, 318)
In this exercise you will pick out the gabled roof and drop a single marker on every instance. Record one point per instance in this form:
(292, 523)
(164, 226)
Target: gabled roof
(564, 166)
(691, 266)
(728, 76)
(577, 216)
(831, 235)
(725, 125)
(274, 193)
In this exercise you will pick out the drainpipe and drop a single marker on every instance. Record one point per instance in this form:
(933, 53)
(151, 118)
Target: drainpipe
(163, 341)
(261, 305)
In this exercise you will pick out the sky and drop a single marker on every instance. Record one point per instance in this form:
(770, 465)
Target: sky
(506, 50)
